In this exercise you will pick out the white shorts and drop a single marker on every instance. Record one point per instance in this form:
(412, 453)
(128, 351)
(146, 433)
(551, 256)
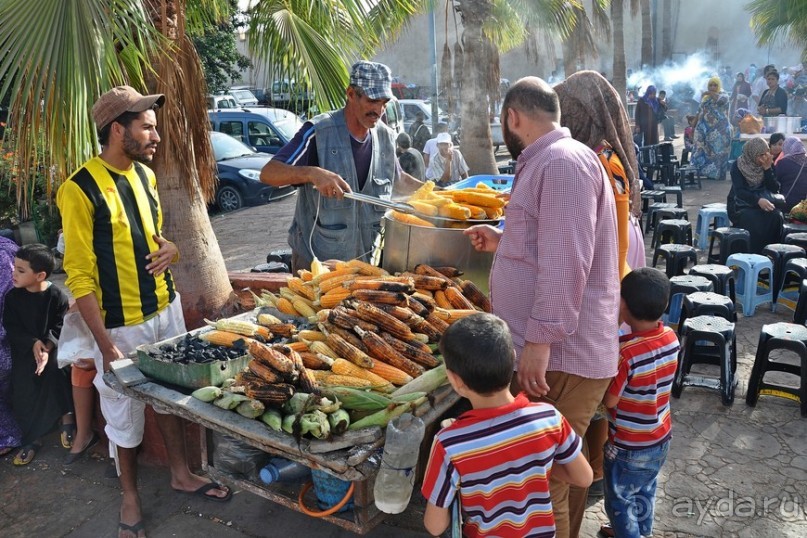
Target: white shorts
(125, 416)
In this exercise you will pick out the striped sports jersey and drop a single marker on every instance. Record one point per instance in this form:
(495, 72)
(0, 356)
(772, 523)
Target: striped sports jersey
(109, 218)
(500, 460)
(647, 363)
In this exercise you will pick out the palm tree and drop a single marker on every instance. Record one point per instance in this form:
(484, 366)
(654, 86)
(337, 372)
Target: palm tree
(666, 30)
(771, 19)
(582, 41)
(647, 35)
(620, 70)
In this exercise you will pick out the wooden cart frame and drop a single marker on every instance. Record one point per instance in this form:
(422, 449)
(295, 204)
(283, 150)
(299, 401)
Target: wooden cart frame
(352, 459)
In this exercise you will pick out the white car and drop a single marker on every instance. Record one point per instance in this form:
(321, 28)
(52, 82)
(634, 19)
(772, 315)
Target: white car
(413, 106)
(243, 96)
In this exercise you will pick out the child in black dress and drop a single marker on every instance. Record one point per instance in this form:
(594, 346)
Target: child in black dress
(33, 314)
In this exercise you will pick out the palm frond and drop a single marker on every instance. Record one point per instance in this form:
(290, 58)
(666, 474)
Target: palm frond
(773, 19)
(75, 47)
(200, 14)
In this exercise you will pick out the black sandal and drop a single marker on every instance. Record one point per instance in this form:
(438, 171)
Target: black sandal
(68, 433)
(26, 454)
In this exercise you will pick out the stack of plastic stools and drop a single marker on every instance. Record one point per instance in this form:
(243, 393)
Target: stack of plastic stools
(786, 336)
(707, 340)
(679, 286)
(672, 213)
(779, 255)
(722, 278)
(677, 231)
(731, 241)
(800, 313)
(709, 218)
(688, 177)
(751, 266)
(799, 239)
(707, 303)
(676, 257)
(792, 228)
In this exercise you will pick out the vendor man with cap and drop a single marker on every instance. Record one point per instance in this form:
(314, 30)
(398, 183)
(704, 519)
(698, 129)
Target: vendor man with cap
(117, 263)
(348, 150)
(448, 165)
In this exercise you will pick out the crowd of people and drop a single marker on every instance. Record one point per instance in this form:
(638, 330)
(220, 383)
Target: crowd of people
(569, 376)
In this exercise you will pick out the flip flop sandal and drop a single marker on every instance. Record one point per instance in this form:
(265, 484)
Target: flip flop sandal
(26, 454)
(202, 492)
(68, 432)
(134, 529)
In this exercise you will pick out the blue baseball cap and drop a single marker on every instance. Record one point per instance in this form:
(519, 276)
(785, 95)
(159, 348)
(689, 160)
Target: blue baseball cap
(373, 78)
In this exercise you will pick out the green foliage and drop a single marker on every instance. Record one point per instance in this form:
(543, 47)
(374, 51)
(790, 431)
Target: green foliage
(771, 19)
(217, 50)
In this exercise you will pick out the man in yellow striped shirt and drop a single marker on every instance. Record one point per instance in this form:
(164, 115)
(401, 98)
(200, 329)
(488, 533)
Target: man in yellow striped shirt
(117, 263)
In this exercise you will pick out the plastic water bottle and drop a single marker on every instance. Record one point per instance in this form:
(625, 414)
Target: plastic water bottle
(283, 470)
(396, 478)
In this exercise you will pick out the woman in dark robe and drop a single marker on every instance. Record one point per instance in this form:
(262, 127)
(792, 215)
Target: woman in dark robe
(647, 116)
(791, 172)
(10, 435)
(749, 202)
(740, 95)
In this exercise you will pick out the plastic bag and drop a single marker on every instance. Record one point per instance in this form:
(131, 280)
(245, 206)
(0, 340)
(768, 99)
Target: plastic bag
(238, 458)
(75, 341)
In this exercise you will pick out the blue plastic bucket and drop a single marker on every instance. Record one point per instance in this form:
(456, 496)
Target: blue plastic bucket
(330, 490)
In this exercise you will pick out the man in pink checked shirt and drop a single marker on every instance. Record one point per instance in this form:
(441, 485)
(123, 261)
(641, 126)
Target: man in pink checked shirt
(555, 277)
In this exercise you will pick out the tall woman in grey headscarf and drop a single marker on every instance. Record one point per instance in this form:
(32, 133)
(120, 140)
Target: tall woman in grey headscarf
(791, 172)
(749, 201)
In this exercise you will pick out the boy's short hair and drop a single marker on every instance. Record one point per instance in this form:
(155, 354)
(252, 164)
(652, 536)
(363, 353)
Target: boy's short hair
(479, 350)
(646, 291)
(38, 256)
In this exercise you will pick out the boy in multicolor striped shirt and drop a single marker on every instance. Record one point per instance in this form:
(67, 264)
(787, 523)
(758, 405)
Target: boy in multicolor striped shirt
(497, 457)
(638, 402)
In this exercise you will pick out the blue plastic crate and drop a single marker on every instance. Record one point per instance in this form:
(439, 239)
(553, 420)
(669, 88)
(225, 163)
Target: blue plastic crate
(498, 182)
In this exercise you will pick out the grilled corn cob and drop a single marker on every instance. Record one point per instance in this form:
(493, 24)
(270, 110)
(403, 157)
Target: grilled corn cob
(382, 351)
(336, 380)
(266, 354)
(286, 330)
(476, 211)
(301, 306)
(437, 322)
(411, 220)
(343, 367)
(344, 318)
(430, 282)
(305, 275)
(311, 336)
(424, 208)
(300, 288)
(348, 335)
(416, 306)
(332, 298)
(307, 382)
(285, 306)
(478, 199)
(475, 295)
(292, 355)
(449, 272)
(427, 270)
(262, 370)
(408, 286)
(378, 317)
(345, 275)
(383, 297)
(349, 352)
(223, 338)
(450, 316)
(394, 375)
(441, 300)
(267, 319)
(412, 352)
(324, 349)
(238, 326)
(366, 268)
(313, 361)
(457, 299)
(275, 394)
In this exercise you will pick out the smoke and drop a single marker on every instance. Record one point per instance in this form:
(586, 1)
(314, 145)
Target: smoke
(689, 77)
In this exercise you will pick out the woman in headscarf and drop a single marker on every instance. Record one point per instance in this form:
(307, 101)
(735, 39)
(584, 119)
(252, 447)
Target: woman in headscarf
(740, 94)
(791, 172)
(712, 133)
(647, 116)
(593, 112)
(749, 202)
(10, 435)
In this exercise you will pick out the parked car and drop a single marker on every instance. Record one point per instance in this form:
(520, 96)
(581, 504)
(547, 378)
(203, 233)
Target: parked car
(243, 96)
(413, 106)
(239, 170)
(393, 116)
(216, 102)
(265, 129)
(289, 94)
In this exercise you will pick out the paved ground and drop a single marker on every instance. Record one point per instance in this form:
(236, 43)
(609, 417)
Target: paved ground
(736, 471)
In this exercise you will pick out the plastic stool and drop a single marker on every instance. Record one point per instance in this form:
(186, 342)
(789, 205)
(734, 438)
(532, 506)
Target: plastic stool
(722, 278)
(800, 313)
(688, 177)
(650, 222)
(751, 266)
(675, 257)
(792, 228)
(676, 190)
(779, 255)
(679, 286)
(787, 336)
(795, 272)
(710, 218)
(672, 213)
(799, 239)
(677, 231)
(707, 303)
(722, 350)
(731, 241)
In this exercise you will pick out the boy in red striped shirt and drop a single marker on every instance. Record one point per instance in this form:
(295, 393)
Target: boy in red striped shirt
(638, 402)
(497, 458)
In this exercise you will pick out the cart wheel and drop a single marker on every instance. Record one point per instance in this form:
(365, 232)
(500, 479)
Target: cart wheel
(332, 510)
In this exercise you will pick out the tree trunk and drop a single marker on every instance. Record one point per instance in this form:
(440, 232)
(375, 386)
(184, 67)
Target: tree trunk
(666, 31)
(183, 167)
(647, 35)
(620, 70)
(478, 59)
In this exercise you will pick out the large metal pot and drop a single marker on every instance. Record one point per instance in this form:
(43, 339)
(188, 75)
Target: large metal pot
(782, 124)
(406, 246)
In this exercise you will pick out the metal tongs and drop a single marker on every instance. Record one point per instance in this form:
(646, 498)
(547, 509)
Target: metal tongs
(397, 206)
